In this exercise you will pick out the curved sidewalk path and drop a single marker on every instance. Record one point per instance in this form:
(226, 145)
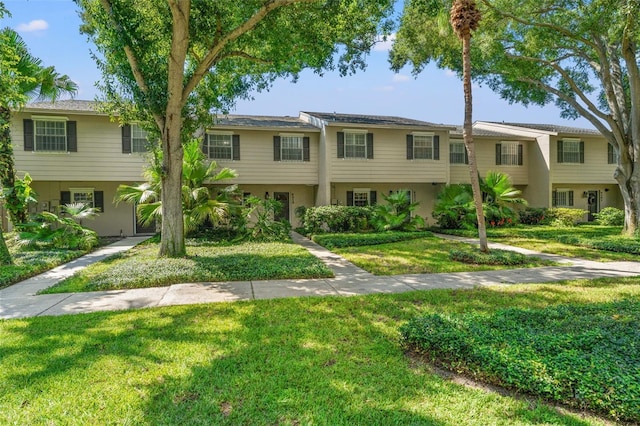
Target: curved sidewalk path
(21, 300)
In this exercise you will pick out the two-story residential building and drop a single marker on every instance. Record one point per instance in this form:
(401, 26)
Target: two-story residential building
(364, 156)
(76, 154)
(569, 166)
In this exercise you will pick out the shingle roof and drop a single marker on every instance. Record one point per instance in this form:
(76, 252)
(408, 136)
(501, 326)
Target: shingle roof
(64, 105)
(377, 120)
(284, 122)
(550, 128)
(482, 132)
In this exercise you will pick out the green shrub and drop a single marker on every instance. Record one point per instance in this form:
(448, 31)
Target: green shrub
(582, 355)
(533, 215)
(336, 219)
(332, 241)
(562, 217)
(494, 257)
(397, 213)
(610, 216)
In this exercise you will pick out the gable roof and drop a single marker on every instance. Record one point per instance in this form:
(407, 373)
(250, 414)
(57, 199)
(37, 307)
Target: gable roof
(372, 120)
(549, 128)
(67, 105)
(476, 131)
(264, 121)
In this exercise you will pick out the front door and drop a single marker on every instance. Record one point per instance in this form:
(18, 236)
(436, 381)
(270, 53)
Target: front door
(140, 228)
(283, 197)
(592, 204)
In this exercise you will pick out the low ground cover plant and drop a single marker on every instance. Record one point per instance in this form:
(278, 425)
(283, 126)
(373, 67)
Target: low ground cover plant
(330, 361)
(581, 355)
(28, 262)
(332, 241)
(206, 261)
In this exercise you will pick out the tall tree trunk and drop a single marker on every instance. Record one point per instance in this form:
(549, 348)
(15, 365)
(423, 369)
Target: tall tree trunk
(172, 243)
(467, 134)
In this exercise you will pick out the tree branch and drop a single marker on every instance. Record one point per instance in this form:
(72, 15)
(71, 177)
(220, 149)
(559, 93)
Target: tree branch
(131, 57)
(572, 84)
(215, 50)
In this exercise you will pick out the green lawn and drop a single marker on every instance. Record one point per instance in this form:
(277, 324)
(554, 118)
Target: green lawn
(418, 256)
(205, 261)
(329, 361)
(585, 241)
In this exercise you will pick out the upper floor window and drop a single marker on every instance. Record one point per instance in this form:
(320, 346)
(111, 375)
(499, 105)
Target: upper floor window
(139, 141)
(355, 144)
(458, 153)
(423, 146)
(291, 147)
(50, 135)
(612, 156)
(509, 154)
(222, 146)
(570, 151)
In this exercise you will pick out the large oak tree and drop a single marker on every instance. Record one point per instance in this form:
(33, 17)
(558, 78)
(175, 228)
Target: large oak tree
(581, 55)
(174, 62)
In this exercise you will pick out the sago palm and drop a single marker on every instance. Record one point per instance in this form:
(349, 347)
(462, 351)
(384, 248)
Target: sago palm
(197, 204)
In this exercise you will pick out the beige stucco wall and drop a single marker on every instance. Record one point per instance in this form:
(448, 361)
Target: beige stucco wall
(424, 193)
(256, 164)
(99, 156)
(110, 222)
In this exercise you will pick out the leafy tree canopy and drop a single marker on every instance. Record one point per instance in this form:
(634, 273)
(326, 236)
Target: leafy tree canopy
(581, 54)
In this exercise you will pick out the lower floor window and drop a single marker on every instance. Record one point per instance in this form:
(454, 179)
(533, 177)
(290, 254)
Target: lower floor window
(562, 198)
(360, 198)
(84, 196)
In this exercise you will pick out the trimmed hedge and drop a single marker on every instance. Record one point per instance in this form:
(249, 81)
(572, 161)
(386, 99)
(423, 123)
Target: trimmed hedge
(331, 241)
(494, 257)
(336, 219)
(586, 356)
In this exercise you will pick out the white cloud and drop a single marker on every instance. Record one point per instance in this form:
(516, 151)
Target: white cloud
(383, 45)
(385, 89)
(450, 73)
(401, 78)
(35, 25)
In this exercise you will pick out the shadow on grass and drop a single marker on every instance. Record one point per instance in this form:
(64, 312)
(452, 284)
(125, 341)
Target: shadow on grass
(293, 361)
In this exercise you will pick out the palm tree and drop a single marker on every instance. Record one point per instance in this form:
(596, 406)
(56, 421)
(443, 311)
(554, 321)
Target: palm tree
(465, 18)
(22, 77)
(501, 198)
(197, 204)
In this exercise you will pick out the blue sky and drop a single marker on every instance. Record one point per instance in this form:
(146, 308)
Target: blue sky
(51, 30)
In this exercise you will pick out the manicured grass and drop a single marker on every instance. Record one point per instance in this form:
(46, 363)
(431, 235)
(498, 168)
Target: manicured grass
(593, 242)
(328, 361)
(205, 261)
(419, 256)
(332, 241)
(28, 263)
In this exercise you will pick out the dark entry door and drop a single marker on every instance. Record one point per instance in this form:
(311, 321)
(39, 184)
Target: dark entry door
(592, 204)
(143, 229)
(283, 197)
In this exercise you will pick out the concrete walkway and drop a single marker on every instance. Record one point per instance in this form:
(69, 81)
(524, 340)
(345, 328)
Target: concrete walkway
(20, 300)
